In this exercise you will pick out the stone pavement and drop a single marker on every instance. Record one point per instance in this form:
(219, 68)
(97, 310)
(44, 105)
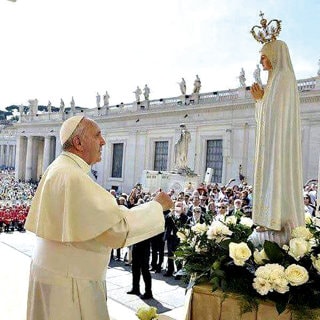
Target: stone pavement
(15, 251)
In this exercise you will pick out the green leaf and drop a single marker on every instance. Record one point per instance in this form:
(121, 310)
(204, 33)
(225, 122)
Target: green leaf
(219, 273)
(281, 306)
(273, 251)
(224, 285)
(225, 244)
(215, 283)
(216, 265)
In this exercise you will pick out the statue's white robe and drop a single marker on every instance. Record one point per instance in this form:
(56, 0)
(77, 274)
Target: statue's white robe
(278, 197)
(78, 223)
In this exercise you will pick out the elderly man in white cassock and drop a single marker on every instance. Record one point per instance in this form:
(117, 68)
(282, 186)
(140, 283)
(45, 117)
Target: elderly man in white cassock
(77, 223)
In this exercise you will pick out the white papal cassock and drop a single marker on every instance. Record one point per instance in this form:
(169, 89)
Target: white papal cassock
(77, 223)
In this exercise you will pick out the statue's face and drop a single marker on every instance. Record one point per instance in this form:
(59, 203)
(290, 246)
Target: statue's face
(265, 62)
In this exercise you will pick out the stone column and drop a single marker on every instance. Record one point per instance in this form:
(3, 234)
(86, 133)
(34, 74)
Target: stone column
(317, 86)
(20, 158)
(1, 155)
(58, 146)
(29, 158)
(52, 149)
(6, 161)
(10, 155)
(46, 153)
(227, 154)
(14, 155)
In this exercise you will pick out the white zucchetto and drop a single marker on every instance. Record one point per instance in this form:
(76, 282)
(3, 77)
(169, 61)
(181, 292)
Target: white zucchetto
(68, 128)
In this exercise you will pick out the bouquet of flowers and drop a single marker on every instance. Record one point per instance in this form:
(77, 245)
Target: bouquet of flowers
(221, 253)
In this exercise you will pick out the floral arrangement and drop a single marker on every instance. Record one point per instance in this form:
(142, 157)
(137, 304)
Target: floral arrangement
(221, 253)
(147, 313)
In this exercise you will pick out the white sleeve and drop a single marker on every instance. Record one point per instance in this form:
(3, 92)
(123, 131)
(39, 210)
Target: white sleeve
(139, 223)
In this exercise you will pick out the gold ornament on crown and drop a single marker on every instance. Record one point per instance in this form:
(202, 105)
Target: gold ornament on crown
(268, 31)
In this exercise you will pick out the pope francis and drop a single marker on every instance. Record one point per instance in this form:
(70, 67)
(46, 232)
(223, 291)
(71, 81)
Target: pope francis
(77, 223)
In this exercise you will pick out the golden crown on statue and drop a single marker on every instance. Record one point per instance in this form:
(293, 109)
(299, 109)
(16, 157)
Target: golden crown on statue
(267, 31)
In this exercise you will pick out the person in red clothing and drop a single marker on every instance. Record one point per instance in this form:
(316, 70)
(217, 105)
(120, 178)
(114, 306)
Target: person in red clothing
(7, 221)
(1, 219)
(21, 218)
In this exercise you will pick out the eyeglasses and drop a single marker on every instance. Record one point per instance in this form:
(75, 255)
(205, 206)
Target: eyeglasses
(197, 211)
(221, 207)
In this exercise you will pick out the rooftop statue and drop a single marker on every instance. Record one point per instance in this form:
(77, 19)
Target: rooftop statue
(106, 99)
(61, 106)
(72, 105)
(146, 92)
(49, 106)
(183, 86)
(197, 85)
(33, 106)
(98, 99)
(256, 76)
(137, 93)
(242, 78)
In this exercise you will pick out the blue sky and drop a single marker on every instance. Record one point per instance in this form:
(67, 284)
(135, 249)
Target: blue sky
(52, 49)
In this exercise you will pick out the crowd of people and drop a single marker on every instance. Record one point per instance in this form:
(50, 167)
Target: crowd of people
(15, 199)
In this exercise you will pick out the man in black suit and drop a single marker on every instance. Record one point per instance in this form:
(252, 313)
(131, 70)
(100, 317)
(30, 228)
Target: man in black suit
(173, 221)
(157, 248)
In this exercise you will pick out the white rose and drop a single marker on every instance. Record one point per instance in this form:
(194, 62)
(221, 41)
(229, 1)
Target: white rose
(262, 286)
(316, 262)
(307, 218)
(218, 231)
(193, 242)
(312, 243)
(277, 272)
(246, 222)
(239, 252)
(298, 248)
(231, 220)
(301, 232)
(285, 247)
(199, 249)
(181, 236)
(259, 256)
(263, 272)
(296, 275)
(199, 228)
(280, 285)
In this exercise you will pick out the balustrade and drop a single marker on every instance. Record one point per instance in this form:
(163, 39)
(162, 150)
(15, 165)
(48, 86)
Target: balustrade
(203, 98)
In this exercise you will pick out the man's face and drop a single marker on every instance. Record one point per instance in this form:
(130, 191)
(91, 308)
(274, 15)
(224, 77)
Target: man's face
(92, 142)
(178, 207)
(237, 204)
(196, 200)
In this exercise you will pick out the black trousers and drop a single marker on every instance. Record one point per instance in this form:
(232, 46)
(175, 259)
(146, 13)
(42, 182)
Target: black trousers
(172, 245)
(140, 265)
(157, 255)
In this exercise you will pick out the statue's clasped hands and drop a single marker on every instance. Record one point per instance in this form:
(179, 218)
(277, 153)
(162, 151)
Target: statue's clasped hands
(256, 91)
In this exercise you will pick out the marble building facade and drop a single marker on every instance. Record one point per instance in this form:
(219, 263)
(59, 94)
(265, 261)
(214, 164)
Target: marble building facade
(138, 135)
